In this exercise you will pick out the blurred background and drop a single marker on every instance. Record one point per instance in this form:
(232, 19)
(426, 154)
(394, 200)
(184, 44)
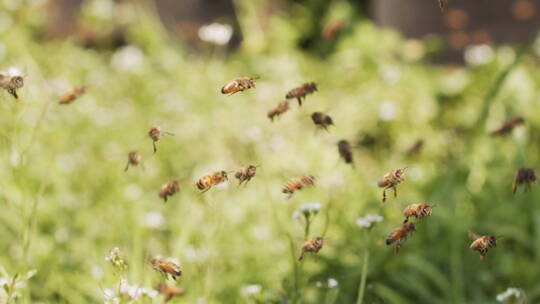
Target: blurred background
(406, 83)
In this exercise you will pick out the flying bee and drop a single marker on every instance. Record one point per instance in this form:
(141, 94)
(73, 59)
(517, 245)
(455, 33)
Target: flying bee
(418, 211)
(208, 181)
(166, 266)
(482, 243)
(11, 83)
(313, 245)
(72, 95)
(281, 108)
(524, 176)
(399, 235)
(415, 148)
(156, 133)
(344, 149)
(390, 181)
(443, 4)
(301, 92)
(245, 174)
(169, 291)
(238, 85)
(297, 184)
(322, 120)
(134, 159)
(508, 126)
(169, 189)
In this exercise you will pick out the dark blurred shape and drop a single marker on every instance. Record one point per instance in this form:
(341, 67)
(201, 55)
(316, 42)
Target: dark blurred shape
(334, 28)
(463, 22)
(508, 126)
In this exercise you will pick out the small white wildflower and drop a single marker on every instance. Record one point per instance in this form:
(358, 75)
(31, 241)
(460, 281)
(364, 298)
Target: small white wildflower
(389, 73)
(332, 283)
(512, 291)
(363, 222)
(216, 33)
(388, 110)
(368, 220)
(478, 54)
(296, 215)
(154, 219)
(313, 207)
(116, 259)
(127, 59)
(251, 289)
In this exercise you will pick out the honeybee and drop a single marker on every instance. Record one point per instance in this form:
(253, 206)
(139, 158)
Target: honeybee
(313, 245)
(301, 92)
(415, 148)
(214, 179)
(134, 158)
(482, 244)
(156, 133)
(400, 235)
(508, 126)
(71, 96)
(297, 184)
(166, 266)
(169, 291)
(169, 189)
(524, 176)
(238, 85)
(333, 28)
(391, 180)
(245, 174)
(281, 108)
(443, 4)
(322, 120)
(418, 211)
(344, 149)
(11, 83)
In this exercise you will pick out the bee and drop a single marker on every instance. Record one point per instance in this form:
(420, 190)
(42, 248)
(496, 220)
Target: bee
(238, 85)
(156, 133)
(134, 158)
(301, 92)
(297, 184)
(391, 180)
(482, 243)
(415, 148)
(400, 235)
(344, 149)
(169, 189)
(322, 120)
(214, 179)
(281, 108)
(313, 245)
(72, 95)
(524, 176)
(169, 291)
(443, 4)
(508, 126)
(11, 83)
(245, 174)
(166, 266)
(418, 211)
(334, 28)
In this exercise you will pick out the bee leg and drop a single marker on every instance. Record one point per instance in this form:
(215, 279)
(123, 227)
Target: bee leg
(514, 188)
(395, 191)
(384, 195)
(299, 101)
(398, 246)
(301, 255)
(154, 145)
(202, 192)
(165, 199)
(406, 220)
(127, 167)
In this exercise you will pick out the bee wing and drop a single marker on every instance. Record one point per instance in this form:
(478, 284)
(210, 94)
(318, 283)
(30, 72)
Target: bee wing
(473, 235)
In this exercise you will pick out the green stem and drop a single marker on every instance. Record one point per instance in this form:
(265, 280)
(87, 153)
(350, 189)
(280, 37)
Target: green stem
(362, 287)
(306, 228)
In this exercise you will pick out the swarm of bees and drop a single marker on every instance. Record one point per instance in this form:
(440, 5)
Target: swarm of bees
(301, 92)
(238, 85)
(169, 189)
(297, 184)
(11, 83)
(155, 134)
(399, 235)
(166, 267)
(322, 120)
(482, 243)
(245, 174)
(208, 181)
(72, 95)
(417, 211)
(134, 159)
(390, 181)
(276, 111)
(508, 126)
(313, 245)
(169, 291)
(344, 149)
(525, 177)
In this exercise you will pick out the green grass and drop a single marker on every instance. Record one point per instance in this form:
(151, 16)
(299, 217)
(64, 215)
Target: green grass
(66, 200)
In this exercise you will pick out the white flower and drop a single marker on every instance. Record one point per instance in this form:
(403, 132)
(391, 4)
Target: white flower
(478, 54)
(154, 219)
(251, 289)
(332, 283)
(313, 207)
(368, 220)
(216, 33)
(128, 58)
(512, 291)
(389, 73)
(388, 110)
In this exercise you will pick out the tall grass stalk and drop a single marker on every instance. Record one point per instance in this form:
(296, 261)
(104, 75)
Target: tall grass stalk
(363, 278)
